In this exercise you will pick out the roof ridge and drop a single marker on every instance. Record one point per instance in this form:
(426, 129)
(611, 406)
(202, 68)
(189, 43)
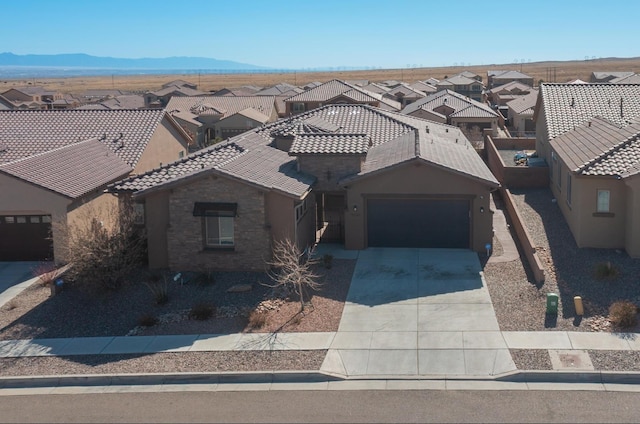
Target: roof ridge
(57, 149)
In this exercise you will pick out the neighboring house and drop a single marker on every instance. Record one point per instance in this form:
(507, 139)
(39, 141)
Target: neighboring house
(451, 108)
(337, 92)
(431, 81)
(160, 98)
(503, 94)
(562, 107)
(208, 118)
(240, 91)
(595, 176)
(404, 94)
(630, 79)
(376, 88)
(98, 95)
(282, 89)
(67, 102)
(5, 104)
(471, 75)
(520, 114)
(180, 83)
(425, 87)
(605, 77)
(502, 77)
(347, 173)
(32, 97)
(54, 166)
(464, 85)
(127, 101)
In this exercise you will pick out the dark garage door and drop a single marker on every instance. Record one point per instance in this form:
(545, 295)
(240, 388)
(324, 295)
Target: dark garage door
(25, 238)
(418, 223)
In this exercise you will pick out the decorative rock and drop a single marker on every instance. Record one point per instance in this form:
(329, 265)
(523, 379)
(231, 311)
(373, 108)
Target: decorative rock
(240, 288)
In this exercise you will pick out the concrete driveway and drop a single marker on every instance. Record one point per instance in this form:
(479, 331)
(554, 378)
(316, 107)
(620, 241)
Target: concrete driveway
(418, 312)
(15, 277)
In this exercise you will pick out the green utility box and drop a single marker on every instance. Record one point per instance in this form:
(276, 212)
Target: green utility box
(552, 303)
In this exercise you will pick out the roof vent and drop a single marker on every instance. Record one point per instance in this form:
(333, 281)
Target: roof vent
(573, 101)
(589, 123)
(427, 129)
(446, 129)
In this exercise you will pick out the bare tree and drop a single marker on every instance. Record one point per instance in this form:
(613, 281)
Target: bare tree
(291, 270)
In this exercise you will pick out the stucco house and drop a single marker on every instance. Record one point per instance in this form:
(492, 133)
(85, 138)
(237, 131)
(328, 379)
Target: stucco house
(464, 84)
(350, 174)
(337, 92)
(449, 107)
(404, 94)
(588, 135)
(209, 118)
(595, 175)
(497, 78)
(32, 97)
(520, 114)
(503, 94)
(55, 165)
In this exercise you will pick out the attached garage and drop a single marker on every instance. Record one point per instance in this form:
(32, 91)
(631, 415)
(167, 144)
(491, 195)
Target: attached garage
(419, 222)
(25, 238)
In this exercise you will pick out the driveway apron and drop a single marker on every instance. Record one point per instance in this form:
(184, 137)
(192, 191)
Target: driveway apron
(418, 312)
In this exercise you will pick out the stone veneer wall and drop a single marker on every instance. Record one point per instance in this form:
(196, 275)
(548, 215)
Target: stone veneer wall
(186, 232)
(329, 169)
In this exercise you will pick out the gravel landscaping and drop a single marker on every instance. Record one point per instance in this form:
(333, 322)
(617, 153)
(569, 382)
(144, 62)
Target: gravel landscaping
(531, 359)
(520, 304)
(76, 313)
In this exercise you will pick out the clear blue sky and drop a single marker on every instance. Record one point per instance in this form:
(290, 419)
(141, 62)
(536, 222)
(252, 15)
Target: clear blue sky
(326, 33)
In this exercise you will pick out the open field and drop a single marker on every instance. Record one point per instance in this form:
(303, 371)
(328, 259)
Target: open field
(545, 71)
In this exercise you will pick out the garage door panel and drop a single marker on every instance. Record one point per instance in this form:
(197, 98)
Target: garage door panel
(418, 223)
(25, 238)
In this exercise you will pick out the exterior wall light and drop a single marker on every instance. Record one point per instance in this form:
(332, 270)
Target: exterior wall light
(481, 209)
(355, 208)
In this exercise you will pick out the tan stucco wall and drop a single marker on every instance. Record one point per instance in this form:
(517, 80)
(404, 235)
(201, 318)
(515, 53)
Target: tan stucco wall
(280, 216)
(632, 232)
(417, 178)
(164, 147)
(306, 227)
(235, 122)
(157, 221)
(329, 169)
(542, 136)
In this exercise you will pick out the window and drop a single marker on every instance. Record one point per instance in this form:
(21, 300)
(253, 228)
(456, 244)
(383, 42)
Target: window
(34, 219)
(218, 219)
(603, 201)
(298, 107)
(21, 219)
(555, 170)
(301, 209)
(569, 188)
(138, 213)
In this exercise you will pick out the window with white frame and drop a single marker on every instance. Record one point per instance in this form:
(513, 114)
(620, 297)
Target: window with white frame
(604, 197)
(218, 223)
(301, 210)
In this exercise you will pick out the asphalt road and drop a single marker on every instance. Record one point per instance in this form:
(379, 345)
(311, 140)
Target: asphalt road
(332, 406)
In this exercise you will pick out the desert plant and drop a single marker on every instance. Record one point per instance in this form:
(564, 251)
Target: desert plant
(159, 290)
(257, 319)
(606, 270)
(147, 320)
(103, 247)
(291, 269)
(201, 311)
(623, 314)
(327, 260)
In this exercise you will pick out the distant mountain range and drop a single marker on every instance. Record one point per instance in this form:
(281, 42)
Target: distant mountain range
(80, 60)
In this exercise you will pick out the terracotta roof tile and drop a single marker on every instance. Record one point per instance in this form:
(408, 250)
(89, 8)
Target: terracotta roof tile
(30, 132)
(331, 144)
(72, 170)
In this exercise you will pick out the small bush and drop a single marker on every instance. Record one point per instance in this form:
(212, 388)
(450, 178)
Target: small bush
(147, 320)
(201, 311)
(606, 270)
(257, 319)
(46, 272)
(159, 290)
(623, 314)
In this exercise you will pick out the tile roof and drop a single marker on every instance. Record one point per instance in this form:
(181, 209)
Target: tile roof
(600, 147)
(29, 132)
(424, 87)
(375, 88)
(516, 86)
(227, 105)
(460, 80)
(197, 162)
(524, 104)
(335, 88)
(463, 106)
(330, 144)
(600, 76)
(511, 74)
(280, 89)
(184, 90)
(72, 170)
(630, 79)
(567, 106)
(332, 129)
(406, 91)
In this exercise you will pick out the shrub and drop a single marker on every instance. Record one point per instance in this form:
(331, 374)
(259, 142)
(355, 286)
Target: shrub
(623, 314)
(201, 311)
(257, 319)
(147, 320)
(606, 270)
(104, 247)
(46, 272)
(159, 290)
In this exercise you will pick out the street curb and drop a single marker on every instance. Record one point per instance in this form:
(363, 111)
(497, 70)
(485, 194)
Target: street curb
(172, 378)
(278, 377)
